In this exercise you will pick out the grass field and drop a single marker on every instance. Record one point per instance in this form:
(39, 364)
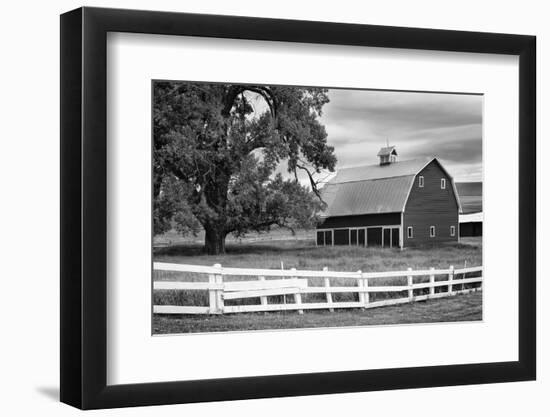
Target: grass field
(278, 250)
(300, 252)
(465, 307)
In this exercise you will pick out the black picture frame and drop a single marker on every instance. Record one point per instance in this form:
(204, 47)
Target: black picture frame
(84, 207)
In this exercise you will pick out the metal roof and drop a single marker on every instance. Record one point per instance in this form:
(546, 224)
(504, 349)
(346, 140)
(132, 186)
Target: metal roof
(373, 188)
(371, 172)
(386, 195)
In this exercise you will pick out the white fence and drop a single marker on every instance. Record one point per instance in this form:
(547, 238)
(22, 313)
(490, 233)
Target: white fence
(296, 283)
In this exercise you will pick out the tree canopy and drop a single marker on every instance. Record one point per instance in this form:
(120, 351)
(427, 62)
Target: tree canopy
(217, 148)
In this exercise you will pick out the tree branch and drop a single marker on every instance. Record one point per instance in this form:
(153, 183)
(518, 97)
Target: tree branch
(311, 180)
(235, 90)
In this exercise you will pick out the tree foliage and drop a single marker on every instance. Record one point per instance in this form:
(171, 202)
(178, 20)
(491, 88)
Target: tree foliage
(217, 148)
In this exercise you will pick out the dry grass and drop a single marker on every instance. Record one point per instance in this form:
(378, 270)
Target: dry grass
(303, 254)
(465, 307)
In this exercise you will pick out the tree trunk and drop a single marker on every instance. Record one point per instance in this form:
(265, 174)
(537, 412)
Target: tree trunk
(214, 241)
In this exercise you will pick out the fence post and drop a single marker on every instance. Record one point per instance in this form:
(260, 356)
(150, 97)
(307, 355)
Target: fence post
(367, 294)
(212, 294)
(409, 284)
(464, 275)
(432, 282)
(263, 299)
(451, 275)
(297, 296)
(480, 282)
(219, 292)
(361, 284)
(328, 294)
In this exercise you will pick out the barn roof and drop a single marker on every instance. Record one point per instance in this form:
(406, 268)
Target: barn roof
(386, 195)
(372, 189)
(371, 172)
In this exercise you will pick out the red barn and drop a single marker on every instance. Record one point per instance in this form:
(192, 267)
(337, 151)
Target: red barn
(390, 204)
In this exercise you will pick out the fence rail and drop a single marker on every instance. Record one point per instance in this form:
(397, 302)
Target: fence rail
(296, 283)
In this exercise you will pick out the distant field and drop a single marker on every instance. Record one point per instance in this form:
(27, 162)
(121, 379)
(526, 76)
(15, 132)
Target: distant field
(465, 307)
(286, 252)
(471, 204)
(280, 251)
(172, 238)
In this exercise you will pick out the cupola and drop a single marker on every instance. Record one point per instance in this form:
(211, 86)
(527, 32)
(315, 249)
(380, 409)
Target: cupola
(387, 155)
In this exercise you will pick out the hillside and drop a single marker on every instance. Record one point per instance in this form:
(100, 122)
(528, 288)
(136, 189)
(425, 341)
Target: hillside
(470, 194)
(469, 188)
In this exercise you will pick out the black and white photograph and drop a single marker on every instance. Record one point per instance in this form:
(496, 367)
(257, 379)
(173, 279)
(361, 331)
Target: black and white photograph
(268, 209)
(284, 207)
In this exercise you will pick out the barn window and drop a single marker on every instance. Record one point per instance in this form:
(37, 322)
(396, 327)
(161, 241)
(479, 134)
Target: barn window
(410, 232)
(421, 181)
(452, 230)
(432, 231)
(443, 183)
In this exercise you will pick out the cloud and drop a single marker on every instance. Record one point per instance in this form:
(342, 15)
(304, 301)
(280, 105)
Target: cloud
(448, 126)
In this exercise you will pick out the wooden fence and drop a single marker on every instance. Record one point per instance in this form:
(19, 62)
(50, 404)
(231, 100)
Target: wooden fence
(296, 283)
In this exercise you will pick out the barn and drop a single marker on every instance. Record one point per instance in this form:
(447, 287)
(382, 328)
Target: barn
(471, 224)
(471, 201)
(392, 204)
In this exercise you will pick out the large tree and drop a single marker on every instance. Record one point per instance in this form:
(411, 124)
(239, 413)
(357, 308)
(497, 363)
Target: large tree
(217, 147)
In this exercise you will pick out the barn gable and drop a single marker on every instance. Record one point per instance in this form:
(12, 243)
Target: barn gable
(431, 212)
(433, 172)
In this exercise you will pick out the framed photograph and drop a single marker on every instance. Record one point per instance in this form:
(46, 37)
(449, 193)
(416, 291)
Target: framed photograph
(258, 208)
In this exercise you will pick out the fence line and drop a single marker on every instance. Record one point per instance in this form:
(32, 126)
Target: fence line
(295, 282)
(162, 266)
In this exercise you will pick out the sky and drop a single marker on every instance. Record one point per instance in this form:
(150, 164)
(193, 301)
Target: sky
(446, 126)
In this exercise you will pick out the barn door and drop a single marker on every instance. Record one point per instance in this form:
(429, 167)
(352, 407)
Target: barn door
(374, 236)
(353, 237)
(386, 241)
(390, 237)
(361, 237)
(357, 237)
(395, 237)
